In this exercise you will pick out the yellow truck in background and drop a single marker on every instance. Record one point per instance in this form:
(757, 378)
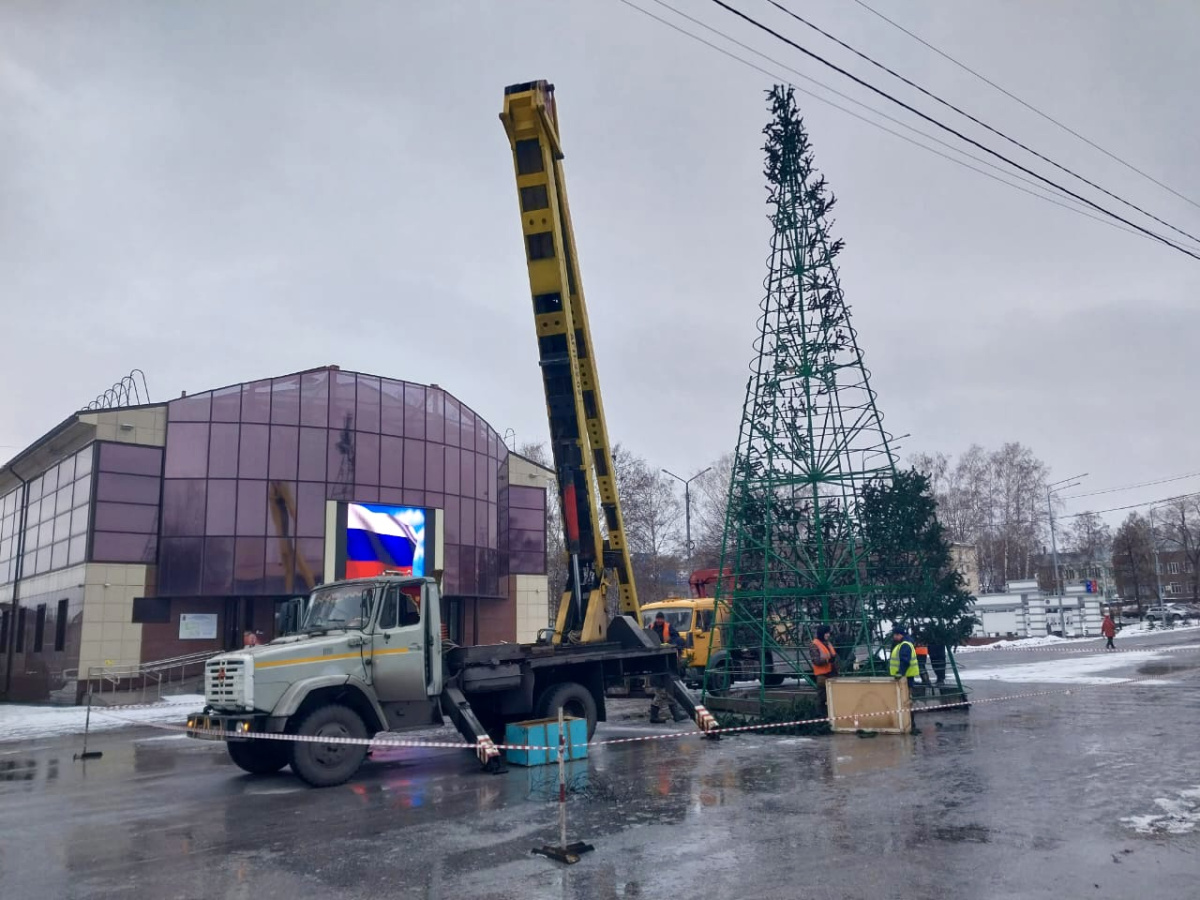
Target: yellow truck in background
(701, 626)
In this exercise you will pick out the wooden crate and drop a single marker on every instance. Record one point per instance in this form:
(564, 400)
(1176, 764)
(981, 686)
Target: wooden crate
(872, 704)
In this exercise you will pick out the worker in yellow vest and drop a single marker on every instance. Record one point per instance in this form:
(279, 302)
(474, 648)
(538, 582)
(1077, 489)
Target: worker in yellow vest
(903, 663)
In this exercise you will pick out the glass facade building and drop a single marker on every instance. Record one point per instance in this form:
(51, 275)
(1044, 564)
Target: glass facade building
(220, 501)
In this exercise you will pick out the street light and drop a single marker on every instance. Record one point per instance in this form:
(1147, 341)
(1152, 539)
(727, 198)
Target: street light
(687, 511)
(1157, 566)
(1052, 489)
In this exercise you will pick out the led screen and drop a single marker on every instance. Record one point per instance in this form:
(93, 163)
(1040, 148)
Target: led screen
(384, 538)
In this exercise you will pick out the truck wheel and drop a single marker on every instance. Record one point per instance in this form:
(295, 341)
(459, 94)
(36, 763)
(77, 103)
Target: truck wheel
(260, 757)
(575, 700)
(719, 677)
(326, 765)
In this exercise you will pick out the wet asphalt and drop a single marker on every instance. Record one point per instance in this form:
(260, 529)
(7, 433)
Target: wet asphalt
(1020, 799)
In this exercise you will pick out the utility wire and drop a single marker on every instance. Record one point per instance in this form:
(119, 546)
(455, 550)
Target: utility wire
(1028, 106)
(956, 133)
(1058, 199)
(1086, 512)
(1130, 487)
(980, 123)
(833, 91)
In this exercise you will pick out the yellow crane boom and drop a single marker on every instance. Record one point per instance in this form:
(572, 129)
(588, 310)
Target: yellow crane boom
(578, 435)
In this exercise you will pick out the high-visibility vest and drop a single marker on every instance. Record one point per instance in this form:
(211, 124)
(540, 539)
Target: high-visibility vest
(664, 633)
(825, 668)
(913, 669)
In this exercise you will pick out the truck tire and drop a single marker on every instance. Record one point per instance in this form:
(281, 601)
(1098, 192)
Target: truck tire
(260, 757)
(326, 765)
(719, 676)
(575, 700)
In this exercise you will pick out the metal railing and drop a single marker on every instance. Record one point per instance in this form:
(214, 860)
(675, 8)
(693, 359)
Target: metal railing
(157, 674)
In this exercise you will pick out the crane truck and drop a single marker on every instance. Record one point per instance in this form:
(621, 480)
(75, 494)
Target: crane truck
(370, 657)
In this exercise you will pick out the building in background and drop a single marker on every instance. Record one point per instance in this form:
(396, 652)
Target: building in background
(1078, 573)
(965, 558)
(150, 532)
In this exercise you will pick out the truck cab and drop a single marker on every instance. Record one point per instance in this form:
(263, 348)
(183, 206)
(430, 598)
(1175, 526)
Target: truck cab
(366, 658)
(369, 657)
(693, 618)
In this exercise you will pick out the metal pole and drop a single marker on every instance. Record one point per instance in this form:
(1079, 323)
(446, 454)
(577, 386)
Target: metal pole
(687, 522)
(1062, 619)
(562, 781)
(1050, 490)
(1157, 566)
(687, 509)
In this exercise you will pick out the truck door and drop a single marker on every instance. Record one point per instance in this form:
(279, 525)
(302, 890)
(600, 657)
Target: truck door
(397, 668)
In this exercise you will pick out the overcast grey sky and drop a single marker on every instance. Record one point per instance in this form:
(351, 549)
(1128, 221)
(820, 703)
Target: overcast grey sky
(217, 192)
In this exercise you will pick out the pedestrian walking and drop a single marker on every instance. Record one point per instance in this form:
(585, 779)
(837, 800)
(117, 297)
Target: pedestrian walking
(1108, 628)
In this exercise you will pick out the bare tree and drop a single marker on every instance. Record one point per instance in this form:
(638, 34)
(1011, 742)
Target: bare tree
(1090, 536)
(994, 500)
(710, 502)
(1179, 526)
(1133, 560)
(652, 512)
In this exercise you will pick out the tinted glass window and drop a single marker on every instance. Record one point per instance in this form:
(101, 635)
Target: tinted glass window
(314, 398)
(127, 488)
(187, 450)
(227, 404)
(285, 400)
(130, 459)
(391, 418)
(223, 451)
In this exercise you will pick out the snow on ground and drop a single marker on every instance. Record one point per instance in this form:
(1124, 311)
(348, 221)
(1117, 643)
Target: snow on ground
(1144, 628)
(1073, 669)
(1180, 816)
(23, 723)
(1052, 640)
(1017, 642)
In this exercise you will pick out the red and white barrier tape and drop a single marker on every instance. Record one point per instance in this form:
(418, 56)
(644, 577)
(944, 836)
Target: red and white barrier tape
(486, 749)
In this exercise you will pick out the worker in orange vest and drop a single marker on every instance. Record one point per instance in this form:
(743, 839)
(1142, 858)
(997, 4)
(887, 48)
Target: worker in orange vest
(663, 700)
(824, 663)
(923, 660)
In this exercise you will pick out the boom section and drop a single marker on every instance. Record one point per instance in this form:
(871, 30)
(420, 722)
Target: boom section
(578, 434)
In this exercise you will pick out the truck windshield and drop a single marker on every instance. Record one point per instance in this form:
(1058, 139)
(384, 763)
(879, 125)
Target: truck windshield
(344, 606)
(679, 618)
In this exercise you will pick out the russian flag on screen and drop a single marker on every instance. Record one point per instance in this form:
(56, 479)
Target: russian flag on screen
(380, 538)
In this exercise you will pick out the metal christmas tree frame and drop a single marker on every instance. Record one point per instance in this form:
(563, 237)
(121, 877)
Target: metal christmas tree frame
(811, 438)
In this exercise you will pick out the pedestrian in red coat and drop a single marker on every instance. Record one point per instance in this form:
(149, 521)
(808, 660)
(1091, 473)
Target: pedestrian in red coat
(1108, 628)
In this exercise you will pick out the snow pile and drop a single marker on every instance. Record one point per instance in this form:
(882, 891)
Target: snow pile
(24, 723)
(1073, 669)
(1180, 816)
(1144, 628)
(1018, 642)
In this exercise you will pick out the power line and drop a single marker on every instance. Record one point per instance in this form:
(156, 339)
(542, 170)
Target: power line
(1086, 512)
(956, 133)
(1028, 106)
(1130, 487)
(979, 122)
(1058, 199)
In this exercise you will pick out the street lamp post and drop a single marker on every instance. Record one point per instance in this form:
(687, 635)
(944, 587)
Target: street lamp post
(687, 511)
(1157, 566)
(1052, 489)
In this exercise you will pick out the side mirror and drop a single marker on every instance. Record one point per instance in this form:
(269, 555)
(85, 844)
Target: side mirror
(364, 605)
